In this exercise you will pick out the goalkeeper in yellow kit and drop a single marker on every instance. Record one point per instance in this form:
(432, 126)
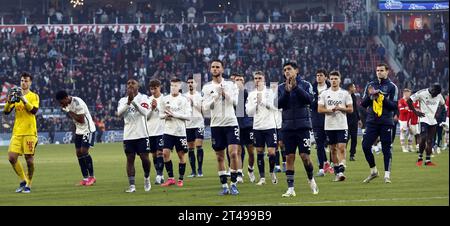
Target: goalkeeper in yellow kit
(24, 137)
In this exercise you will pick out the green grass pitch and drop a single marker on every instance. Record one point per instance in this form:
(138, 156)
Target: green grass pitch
(57, 172)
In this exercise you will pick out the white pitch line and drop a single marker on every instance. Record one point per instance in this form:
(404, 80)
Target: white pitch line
(355, 200)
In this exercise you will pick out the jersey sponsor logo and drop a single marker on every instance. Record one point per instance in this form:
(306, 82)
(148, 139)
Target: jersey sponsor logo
(145, 105)
(131, 110)
(334, 102)
(430, 102)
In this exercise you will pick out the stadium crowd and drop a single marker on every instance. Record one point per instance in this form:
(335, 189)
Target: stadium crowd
(422, 52)
(187, 11)
(96, 67)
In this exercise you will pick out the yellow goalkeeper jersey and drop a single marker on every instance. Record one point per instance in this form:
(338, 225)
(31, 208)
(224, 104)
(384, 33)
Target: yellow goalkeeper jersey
(25, 121)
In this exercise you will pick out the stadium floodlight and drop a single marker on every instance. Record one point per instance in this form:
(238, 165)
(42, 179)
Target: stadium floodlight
(77, 3)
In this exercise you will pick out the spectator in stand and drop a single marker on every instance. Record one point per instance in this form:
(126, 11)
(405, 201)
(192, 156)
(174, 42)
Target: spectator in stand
(95, 66)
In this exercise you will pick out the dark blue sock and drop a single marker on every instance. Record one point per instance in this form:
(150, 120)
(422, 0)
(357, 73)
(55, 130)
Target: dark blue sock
(321, 154)
(181, 169)
(271, 163)
(169, 168)
(260, 163)
(89, 165)
(341, 168)
(223, 179)
(146, 166)
(160, 165)
(191, 154)
(290, 178)
(336, 169)
(83, 167)
(234, 177)
(200, 157)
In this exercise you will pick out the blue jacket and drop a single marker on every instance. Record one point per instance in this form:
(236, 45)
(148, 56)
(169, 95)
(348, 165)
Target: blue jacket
(390, 91)
(295, 105)
(246, 121)
(318, 119)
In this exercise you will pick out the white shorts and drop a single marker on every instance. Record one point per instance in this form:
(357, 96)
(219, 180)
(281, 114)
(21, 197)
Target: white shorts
(403, 125)
(414, 129)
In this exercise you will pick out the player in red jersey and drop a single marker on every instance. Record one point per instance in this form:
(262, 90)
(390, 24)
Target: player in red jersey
(403, 119)
(414, 128)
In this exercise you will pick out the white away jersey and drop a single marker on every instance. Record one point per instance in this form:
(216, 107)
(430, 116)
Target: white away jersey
(222, 110)
(78, 107)
(331, 99)
(196, 118)
(181, 108)
(428, 105)
(264, 113)
(135, 117)
(279, 118)
(155, 125)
